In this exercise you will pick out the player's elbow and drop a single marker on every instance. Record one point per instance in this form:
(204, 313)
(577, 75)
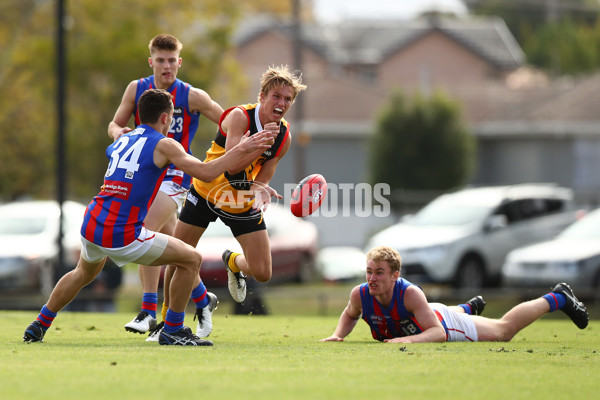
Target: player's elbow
(440, 335)
(111, 129)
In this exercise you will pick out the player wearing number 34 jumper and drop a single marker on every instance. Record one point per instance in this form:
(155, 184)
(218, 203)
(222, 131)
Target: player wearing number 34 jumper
(113, 222)
(115, 216)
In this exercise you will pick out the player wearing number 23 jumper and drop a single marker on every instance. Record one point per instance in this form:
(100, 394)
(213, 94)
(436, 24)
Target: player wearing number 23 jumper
(184, 125)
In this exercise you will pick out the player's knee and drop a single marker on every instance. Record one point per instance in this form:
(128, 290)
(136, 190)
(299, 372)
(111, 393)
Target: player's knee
(197, 263)
(262, 275)
(506, 332)
(84, 277)
(192, 262)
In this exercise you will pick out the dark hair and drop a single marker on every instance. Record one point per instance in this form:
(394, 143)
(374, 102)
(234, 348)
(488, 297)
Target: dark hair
(165, 42)
(152, 103)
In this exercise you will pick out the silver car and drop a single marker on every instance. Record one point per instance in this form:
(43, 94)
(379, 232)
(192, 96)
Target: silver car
(573, 256)
(28, 237)
(463, 237)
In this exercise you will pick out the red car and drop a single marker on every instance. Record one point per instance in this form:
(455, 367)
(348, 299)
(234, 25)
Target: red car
(293, 248)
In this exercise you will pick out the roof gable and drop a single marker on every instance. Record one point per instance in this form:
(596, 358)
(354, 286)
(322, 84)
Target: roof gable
(370, 42)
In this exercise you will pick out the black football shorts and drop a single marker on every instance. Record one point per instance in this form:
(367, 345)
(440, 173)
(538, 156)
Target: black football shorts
(200, 212)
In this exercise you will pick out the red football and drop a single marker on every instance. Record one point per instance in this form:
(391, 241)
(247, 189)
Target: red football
(308, 195)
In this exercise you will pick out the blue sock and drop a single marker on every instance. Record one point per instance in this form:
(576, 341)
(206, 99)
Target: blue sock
(467, 308)
(556, 300)
(149, 303)
(199, 296)
(46, 317)
(174, 321)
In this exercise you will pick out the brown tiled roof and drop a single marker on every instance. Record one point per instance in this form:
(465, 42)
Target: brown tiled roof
(571, 100)
(563, 99)
(341, 102)
(370, 42)
(345, 104)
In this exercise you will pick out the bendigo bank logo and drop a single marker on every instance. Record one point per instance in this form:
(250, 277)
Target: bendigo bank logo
(227, 201)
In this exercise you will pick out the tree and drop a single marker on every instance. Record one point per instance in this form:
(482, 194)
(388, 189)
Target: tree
(523, 15)
(106, 49)
(423, 145)
(27, 101)
(575, 48)
(571, 26)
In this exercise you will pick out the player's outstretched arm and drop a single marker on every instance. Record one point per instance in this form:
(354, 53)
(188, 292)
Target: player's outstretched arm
(118, 126)
(200, 101)
(171, 151)
(348, 319)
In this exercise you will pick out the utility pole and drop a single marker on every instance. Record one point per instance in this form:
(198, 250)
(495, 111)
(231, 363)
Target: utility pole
(300, 144)
(60, 109)
(551, 11)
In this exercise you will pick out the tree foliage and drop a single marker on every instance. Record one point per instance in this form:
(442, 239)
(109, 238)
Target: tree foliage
(561, 36)
(421, 145)
(107, 47)
(575, 47)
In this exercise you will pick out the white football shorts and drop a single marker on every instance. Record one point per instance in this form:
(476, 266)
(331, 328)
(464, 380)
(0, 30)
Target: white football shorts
(175, 191)
(144, 250)
(460, 326)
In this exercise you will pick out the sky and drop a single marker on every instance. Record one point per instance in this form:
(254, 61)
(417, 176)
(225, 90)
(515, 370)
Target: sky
(336, 10)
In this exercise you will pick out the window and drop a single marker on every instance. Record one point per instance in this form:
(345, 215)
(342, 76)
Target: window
(522, 209)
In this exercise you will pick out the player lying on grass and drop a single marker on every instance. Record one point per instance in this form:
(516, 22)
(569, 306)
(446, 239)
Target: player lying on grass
(397, 311)
(113, 222)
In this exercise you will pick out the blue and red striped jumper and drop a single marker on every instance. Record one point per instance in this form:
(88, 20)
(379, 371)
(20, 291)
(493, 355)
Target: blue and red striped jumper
(183, 126)
(392, 321)
(114, 218)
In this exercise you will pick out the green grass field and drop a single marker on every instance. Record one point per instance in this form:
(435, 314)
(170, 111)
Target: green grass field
(91, 356)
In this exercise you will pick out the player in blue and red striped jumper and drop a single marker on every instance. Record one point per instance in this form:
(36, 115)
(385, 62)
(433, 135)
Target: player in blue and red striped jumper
(397, 311)
(189, 103)
(113, 224)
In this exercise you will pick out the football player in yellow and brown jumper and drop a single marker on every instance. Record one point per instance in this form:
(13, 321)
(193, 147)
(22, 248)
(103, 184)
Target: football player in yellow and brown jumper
(239, 197)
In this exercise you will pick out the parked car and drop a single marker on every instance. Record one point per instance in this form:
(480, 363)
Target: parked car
(29, 250)
(341, 263)
(573, 256)
(463, 237)
(293, 241)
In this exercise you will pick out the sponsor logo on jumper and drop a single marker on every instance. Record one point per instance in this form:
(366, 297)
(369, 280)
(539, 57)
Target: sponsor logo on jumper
(120, 190)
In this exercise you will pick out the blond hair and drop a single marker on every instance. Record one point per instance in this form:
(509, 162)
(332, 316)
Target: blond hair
(280, 76)
(165, 42)
(386, 253)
